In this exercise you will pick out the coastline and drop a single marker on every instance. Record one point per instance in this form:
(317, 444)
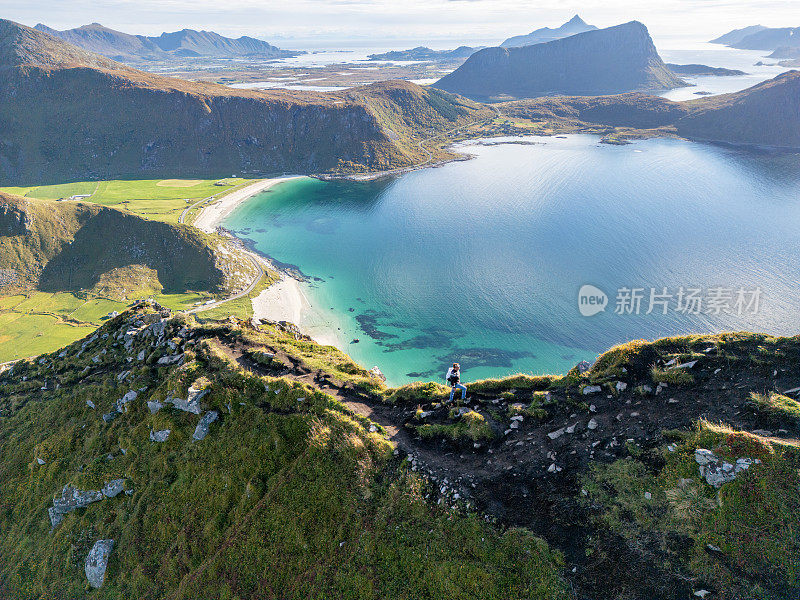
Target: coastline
(213, 214)
(284, 300)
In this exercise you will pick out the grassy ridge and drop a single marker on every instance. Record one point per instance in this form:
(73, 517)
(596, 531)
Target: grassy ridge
(287, 496)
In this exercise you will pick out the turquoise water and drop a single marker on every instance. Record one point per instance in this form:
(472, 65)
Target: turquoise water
(481, 261)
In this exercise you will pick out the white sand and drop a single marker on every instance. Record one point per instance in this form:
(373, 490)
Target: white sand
(285, 301)
(213, 214)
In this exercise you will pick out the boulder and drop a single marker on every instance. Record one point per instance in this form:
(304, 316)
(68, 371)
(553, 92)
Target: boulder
(113, 488)
(154, 406)
(591, 389)
(90, 404)
(190, 406)
(592, 424)
(553, 435)
(122, 403)
(376, 372)
(621, 386)
(108, 417)
(97, 562)
(201, 430)
(583, 366)
(170, 359)
(160, 436)
(71, 499)
(716, 471)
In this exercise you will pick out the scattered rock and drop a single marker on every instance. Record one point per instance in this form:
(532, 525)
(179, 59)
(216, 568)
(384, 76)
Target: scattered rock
(621, 386)
(583, 366)
(201, 430)
(108, 417)
(592, 424)
(90, 404)
(122, 403)
(553, 435)
(97, 561)
(40, 461)
(190, 406)
(154, 406)
(591, 389)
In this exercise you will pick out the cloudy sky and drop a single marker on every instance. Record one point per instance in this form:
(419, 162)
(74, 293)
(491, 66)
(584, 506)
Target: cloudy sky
(297, 22)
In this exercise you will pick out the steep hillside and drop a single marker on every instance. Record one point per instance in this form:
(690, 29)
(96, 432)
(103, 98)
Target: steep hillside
(160, 458)
(546, 34)
(219, 483)
(606, 61)
(768, 113)
(72, 246)
(62, 120)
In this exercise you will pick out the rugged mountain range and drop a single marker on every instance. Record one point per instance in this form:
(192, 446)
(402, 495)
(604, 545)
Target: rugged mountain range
(69, 113)
(758, 37)
(605, 61)
(424, 53)
(765, 114)
(546, 34)
(185, 43)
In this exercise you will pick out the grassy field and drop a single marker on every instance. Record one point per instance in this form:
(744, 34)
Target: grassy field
(41, 322)
(157, 199)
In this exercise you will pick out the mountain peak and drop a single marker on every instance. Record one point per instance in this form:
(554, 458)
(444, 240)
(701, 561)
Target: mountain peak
(576, 20)
(25, 46)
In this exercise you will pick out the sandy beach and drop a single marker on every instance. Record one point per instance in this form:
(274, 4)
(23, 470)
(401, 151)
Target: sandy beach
(284, 300)
(213, 214)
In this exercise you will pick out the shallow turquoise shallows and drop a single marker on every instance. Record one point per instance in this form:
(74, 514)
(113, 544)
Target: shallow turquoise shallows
(481, 261)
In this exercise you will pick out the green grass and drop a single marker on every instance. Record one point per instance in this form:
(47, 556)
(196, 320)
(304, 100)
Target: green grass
(671, 376)
(753, 520)
(285, 497)
(470, 426)
(144, 197)
(777, 405)
(23, 335)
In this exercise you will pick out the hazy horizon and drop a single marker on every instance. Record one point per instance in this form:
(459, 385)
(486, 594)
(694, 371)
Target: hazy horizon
(331, 23)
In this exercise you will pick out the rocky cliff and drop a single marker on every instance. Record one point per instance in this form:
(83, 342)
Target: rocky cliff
(606, 61)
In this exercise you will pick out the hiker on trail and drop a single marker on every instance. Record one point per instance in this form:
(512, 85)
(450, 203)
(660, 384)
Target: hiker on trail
(454, 379)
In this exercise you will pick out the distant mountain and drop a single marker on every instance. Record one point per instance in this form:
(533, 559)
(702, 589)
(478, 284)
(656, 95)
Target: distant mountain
(546, 34)
(188, 42)
(604, 61)
(67, 113)
(108, 42)
(762, 38)
(737, 35)
(767, 113)
(786, 52)
(702, 70)
(424, 53)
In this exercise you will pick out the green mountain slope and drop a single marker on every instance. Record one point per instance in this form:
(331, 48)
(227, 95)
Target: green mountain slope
(251, 463)
(71, 246)
(289, 495)
(69, 114)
